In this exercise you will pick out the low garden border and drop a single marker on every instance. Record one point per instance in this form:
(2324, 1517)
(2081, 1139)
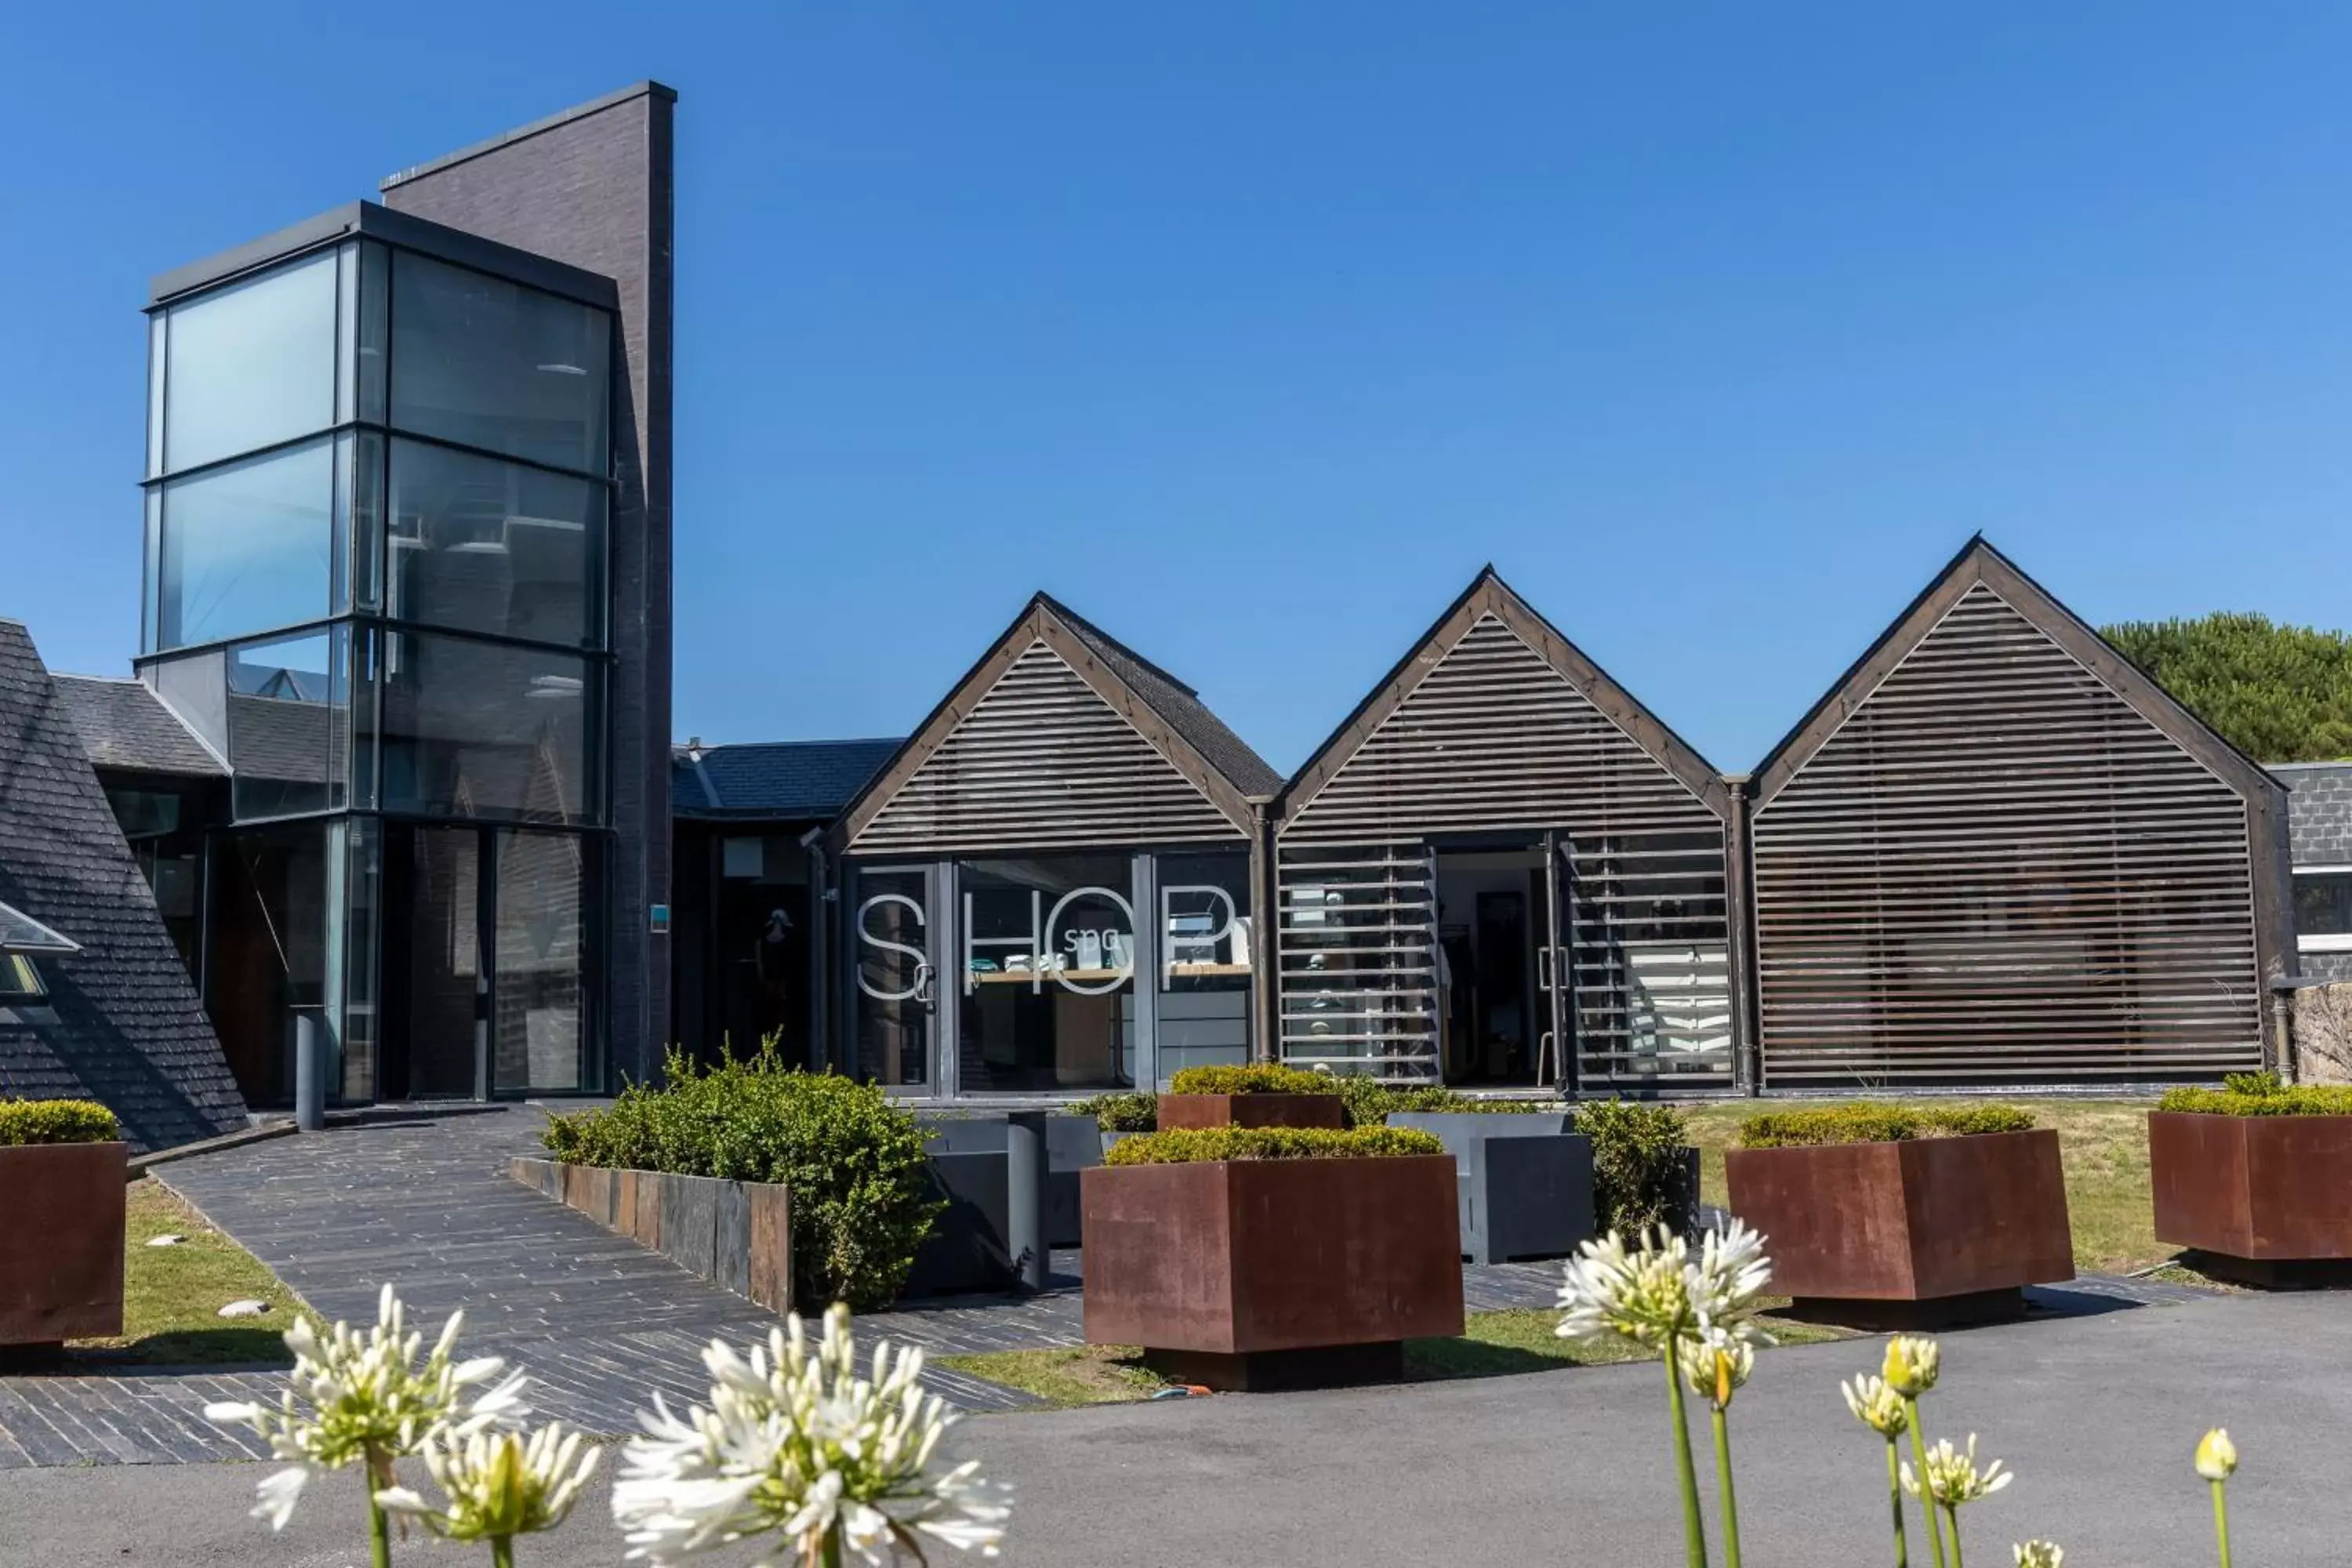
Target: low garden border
(736, 1235)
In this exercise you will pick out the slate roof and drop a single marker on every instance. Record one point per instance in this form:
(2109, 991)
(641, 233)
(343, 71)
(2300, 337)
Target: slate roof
(123, 724)
(801, 780)
(121, 1025)
(1178, 704)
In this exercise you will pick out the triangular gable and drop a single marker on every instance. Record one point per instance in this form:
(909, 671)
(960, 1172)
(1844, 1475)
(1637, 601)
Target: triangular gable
(1497, 721)
(1043, 744)
(1979, 564)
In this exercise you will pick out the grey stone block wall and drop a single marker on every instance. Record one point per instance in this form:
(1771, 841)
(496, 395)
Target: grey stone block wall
(2318, 812)
(594, 186)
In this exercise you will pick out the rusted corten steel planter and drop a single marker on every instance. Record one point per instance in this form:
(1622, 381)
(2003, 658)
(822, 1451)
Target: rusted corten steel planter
(1926, 1231)
(2266, 1198)
(60, 1242)
(1252, 1111)
(1252, 1274)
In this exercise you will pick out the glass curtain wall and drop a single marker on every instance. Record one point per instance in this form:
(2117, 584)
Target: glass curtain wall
(378, 495)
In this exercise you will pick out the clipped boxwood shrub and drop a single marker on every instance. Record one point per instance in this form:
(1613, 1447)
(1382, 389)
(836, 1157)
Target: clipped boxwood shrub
(1259, 1077)
(2273, 1099)
(1640, 1176)
(1198, 1145)
(861, 1200)
(56, 1122)
(1877, 1124)
(1136, 1112)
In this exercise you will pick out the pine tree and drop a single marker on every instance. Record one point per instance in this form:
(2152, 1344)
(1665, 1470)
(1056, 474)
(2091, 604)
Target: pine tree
(2280, 694)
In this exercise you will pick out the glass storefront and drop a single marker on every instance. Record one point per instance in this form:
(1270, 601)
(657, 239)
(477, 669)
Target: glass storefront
(1033, 975)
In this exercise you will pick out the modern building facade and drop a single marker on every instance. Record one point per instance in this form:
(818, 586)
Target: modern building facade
(2319, 818)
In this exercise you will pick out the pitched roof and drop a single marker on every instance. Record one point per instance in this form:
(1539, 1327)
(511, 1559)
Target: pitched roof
(795, 780)
(123, 724)
(1178, 704)
(121, 1024)
(20, 932)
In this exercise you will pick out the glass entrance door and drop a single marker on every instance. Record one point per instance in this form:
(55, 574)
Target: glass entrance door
(893, 953)
(1556, 972)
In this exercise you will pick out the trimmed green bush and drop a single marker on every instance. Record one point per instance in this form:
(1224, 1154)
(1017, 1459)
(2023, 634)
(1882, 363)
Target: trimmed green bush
(1876, 1124)
(1137, 1111)
(2278, 1099)
(1371, 1102)
(1199, 1145)
(1261, 1078)
(56, 1122)
(1640, 1174)
(855, 1163)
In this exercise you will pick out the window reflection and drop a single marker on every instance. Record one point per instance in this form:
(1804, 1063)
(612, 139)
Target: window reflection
(247, 548)
(1203, 1017)
(250, 365)
(1048, 972)
(480, 730)
(289, 726)
(494, 547)
(490, 363)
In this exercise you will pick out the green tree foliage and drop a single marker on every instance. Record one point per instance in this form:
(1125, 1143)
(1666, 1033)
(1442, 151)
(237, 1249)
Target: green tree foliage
(2280, 694)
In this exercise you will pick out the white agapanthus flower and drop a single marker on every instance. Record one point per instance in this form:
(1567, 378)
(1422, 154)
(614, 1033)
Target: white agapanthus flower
(797, 1446)
(1657, 1292)
(1717, 1365)
(366, 1399)
(1876, 1405)
(2039, 1554)
(499, 1485)
(1953, 1478)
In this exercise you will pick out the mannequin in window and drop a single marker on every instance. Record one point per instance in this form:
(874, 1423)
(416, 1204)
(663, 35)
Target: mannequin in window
(771, 955)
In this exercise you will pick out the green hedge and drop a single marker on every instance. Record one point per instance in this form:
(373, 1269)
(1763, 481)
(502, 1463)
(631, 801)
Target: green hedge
(860, 1193)
(1640, 1176)
(2251, 1094)
(1258, 1079)
(1868, 1123)
(1196, 1145)
(56, 1122)
(1135, 1111)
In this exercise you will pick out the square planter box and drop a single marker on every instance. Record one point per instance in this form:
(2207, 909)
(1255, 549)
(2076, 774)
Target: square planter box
(1934, 1230)
(2268, 1197)
(1270, 1273)
(1252, 1111)
(61, 1242)
(1526, 1180)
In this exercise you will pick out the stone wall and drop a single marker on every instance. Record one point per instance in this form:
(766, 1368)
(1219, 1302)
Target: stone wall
(2321, 1021)
(736, 1235)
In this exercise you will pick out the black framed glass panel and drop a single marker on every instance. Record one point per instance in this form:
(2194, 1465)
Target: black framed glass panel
(245, 548)
(891, 936)
(539, 1024)
(434, 984)
(1203, 1006)
(485, 546)
(489, 363)
(266, 964)
(1047, 974)
(484, 729)
(249, 365)
(2323, 903)
(290, 725)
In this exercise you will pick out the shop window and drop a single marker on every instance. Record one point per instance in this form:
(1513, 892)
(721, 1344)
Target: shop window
(1202, 1016)
(1048, 974)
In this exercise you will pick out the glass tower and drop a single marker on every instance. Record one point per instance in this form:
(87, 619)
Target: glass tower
(377, 494)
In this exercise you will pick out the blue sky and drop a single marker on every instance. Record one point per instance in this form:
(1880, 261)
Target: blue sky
(1251, 330)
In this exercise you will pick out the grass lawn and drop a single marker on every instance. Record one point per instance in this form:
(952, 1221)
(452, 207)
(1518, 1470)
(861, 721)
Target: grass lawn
(172, 1296)
(1494, 1344)
(2104, 1143)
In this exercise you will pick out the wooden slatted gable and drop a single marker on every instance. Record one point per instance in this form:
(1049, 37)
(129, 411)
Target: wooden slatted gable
(1995, 867)
(1040, 759)
(1494, 736)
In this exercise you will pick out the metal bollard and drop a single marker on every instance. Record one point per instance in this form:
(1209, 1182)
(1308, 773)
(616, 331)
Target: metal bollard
(310, 1074)
(1024, 1197)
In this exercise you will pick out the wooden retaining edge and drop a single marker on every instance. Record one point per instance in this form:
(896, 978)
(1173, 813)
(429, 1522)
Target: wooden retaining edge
(736, 1235)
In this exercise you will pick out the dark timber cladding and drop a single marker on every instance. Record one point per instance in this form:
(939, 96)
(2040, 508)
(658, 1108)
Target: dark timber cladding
(592, 187)
(1060, 738)
(1996, 852)
(1496, 730)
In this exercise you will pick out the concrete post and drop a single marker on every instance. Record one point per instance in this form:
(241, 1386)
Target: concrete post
(309, 1073)
(1024, 1197)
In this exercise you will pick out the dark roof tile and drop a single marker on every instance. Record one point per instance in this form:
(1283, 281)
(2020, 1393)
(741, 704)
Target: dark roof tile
(799, 780)
(123, 724)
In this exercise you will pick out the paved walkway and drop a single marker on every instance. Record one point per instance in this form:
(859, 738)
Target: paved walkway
(598, 1321)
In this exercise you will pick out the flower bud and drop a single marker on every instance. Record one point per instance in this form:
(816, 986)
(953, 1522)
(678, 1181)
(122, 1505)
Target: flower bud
(1876, 1407)
(2040, 1554)
(2216, 1456)
(1911, 1363)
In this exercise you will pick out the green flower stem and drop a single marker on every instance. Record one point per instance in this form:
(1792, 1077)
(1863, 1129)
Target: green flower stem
(2222, 1522)
(1927, 1501)
(1723, 1484)
(379, 1535)
(1953, 1515)
(1895, 1502)
(1693, 1527)
(501, 1552)
(829, 1550)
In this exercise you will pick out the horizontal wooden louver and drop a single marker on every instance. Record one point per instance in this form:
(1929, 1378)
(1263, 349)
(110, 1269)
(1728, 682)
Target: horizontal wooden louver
(1998, 870)
(1042, 761)
(1355, 943)
(1492, 738)
(1650, 960)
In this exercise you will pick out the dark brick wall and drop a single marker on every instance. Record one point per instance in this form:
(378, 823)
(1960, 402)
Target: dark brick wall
(592, 186)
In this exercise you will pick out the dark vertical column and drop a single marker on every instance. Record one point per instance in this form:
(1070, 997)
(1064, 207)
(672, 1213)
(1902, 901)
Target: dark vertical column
(1740, 938)
(594, 186)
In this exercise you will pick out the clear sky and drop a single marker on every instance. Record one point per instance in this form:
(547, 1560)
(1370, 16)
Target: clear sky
(1252, 330)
